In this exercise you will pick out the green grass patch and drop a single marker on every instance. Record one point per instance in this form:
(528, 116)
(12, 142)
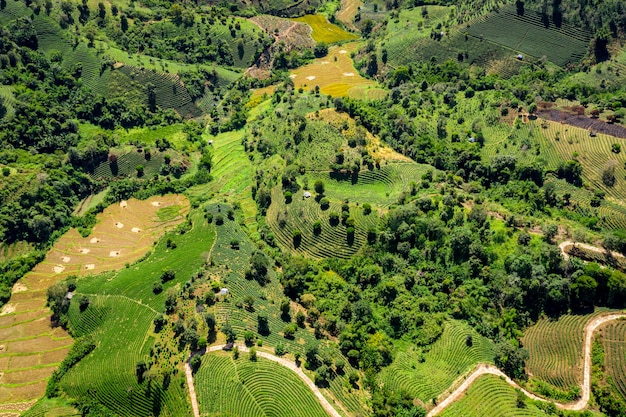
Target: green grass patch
(248, 388)
(166, 214)
(324, 31)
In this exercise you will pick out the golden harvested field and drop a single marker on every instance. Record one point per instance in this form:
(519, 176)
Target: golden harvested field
(336, 76)
(347, 12)
(30, 349)
(324, 31)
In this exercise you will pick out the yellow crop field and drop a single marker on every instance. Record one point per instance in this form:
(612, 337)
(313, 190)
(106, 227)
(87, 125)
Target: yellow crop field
(336, 75)
(324, 31)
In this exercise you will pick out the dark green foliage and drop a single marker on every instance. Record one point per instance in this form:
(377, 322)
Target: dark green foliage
(81, 348)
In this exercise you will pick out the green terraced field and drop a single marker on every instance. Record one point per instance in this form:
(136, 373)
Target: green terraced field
(528, 34)
(229, 266)
(614, 341)
(425, 375)
(120, 317)
(249, 389)
(490, 396)
(555, 349)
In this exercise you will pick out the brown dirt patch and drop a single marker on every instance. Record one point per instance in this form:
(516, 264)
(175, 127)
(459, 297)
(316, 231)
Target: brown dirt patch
(37, 344)
(26, 376)
(54, 356)
(14, 319)
(8, 309)
(23, 406)
(19, 362)
(22, 393)
(4, 363)
(19, 287)
(583, 121)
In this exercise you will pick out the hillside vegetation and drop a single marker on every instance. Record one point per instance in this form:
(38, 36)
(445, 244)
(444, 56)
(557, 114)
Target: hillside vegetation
(392, 198)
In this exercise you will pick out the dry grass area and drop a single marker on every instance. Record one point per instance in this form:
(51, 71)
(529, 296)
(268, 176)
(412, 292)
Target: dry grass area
(30, 348)
(334, 74)
(324, 31)
(348, 10)
(379, 150)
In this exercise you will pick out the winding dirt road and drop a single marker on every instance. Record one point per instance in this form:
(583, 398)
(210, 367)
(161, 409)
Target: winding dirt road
(484, 369)
(596, 249)
(281, 361)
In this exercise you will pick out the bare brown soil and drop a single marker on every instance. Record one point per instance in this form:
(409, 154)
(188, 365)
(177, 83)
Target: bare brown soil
(583, 121)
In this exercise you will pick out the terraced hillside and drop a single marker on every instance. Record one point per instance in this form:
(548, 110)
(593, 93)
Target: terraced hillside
(252, 388)
(531, 34)
(31, 348)
(614, 341)
(555, 349)
(120, 318)
(229, 265)
(491, 396)
(426, 373)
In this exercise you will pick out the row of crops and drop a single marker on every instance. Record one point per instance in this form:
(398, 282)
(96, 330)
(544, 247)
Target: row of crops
(170, 93)
(555, 348)
(230, 265)
(425, 375)
(614, 340)
(127, 163)
(301, 214)
(120, 317)
(529, 34)
(489, 395)
(252, 388)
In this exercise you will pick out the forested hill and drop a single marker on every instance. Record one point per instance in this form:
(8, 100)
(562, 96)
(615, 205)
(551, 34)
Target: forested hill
(381, 197)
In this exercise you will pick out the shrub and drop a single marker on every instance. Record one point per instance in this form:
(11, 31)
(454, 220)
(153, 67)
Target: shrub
(333, 218)
(253, 354)
(317, 228)
(367, 208)
(219, 219)
(157, 288)
(288, 197)
(83, 303)
(324, 203)
(318, 186)
(195, 363)
(248, 338)
(234, 244)
(168, 274)
(300, 319)
(290, 330)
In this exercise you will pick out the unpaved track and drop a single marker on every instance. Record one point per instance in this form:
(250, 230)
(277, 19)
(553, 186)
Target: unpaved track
(484, 369)
(281, 361)
(192, 390)
(596, 249)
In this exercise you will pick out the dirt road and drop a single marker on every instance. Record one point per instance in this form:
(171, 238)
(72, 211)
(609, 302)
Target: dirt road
(192, 389)
(596, 249)
(484, 369)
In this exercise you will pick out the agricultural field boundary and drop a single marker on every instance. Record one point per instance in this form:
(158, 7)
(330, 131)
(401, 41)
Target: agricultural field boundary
(281, 361)
(485, 369)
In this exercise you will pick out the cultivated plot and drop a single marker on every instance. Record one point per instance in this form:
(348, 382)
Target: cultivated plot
(30, 348)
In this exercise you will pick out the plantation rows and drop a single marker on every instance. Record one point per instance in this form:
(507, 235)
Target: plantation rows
(127, 164)
(246, 388)
(490, 396)
(230, 264)
(555, 348)
(614, 340)
(108, 373)
(12, 10)
(333, 241)
(170, 93)
(527, 33)
(594, 155)
(427, 375)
